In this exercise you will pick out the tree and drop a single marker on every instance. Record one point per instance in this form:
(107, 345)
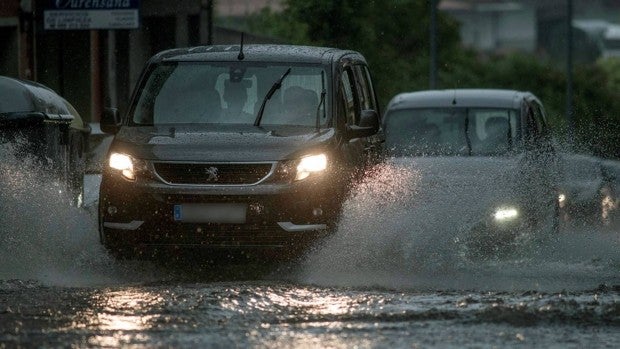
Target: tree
(393, 36)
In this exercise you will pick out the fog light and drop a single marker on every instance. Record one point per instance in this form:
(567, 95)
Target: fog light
(112, 210)
(317, 212)
(257, 208)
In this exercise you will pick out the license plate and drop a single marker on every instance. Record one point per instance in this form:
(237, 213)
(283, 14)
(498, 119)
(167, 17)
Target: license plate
(210, 213)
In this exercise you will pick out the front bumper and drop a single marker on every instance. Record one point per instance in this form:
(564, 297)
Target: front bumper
(288, 215)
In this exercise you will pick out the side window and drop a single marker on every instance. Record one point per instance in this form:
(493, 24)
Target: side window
(364, 85)
(538, 121)
(351, 107)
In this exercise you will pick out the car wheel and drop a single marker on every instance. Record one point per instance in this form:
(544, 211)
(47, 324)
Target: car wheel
(116, 248)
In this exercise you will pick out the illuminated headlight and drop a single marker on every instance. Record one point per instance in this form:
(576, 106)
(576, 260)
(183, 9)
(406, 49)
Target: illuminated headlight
(505, 214)
(122, 163)
(311, 164)
(562, 198)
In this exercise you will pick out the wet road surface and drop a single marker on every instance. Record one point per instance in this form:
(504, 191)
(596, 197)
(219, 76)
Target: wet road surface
(274, 314)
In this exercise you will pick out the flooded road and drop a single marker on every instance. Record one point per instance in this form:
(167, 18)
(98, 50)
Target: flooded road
(276, 314)
(377, 282)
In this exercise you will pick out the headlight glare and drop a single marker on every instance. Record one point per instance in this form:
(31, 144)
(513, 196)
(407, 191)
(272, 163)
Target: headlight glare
(505, 214)
(311, 164)
(122, 163)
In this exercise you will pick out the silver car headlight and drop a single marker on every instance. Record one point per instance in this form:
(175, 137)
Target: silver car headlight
(122, 163)
(504, 214)
(311, 164)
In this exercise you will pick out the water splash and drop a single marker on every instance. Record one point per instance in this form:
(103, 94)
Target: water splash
(43, 238)
(407, 226)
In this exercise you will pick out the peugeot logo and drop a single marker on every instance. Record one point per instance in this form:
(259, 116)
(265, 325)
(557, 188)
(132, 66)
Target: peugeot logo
(211, 173)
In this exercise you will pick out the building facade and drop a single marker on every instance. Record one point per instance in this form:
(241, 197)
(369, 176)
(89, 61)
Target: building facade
(94, 69)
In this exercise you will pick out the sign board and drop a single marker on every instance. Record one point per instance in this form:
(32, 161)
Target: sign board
(91, 14)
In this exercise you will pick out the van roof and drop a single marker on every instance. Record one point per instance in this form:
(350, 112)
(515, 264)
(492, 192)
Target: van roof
(257, 53)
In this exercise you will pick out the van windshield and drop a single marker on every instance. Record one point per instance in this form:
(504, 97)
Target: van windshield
(451, 131)
(231, 93)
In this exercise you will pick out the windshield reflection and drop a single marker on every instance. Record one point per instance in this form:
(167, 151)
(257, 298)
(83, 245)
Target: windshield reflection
(451, 131)
(225, 93)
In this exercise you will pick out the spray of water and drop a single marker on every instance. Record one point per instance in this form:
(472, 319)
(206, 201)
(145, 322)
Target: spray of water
(43, 238)
(410, 223)
(407, 224)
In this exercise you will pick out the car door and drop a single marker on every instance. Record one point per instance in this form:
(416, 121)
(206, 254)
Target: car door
(368, 101)
(349, 110)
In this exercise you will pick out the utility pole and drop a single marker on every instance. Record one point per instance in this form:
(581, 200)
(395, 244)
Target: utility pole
(96, 91)
(26, 43)
(433, 45)
(570, 118)
(206, 21)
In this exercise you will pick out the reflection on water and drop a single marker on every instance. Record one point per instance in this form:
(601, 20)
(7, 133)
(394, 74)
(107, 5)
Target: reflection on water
(282, 315)
(120, 317)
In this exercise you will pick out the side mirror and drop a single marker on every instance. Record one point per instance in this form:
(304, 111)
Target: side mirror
(369, 125)
(110, 121)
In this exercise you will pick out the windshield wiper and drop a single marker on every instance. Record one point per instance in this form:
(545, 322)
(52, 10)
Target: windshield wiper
(321, 102)
(276, 86)
(467, 139)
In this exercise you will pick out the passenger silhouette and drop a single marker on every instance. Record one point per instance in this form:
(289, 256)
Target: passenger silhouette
(497, 134)
(236, 97)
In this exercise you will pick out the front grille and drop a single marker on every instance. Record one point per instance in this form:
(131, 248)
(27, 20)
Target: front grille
(212, 174)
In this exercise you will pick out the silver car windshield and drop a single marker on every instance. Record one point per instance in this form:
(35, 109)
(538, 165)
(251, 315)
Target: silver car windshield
(451, 131)
(231, 93)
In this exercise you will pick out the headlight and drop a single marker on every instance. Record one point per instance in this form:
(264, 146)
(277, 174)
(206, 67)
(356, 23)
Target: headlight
(311, 164)
(505, 214)
(562, 200)
(122, 163)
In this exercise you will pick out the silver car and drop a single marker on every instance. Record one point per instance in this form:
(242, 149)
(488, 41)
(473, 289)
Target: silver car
(486, 155)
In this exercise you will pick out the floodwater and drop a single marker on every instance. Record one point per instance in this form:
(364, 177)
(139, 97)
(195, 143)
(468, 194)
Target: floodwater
(394, 274)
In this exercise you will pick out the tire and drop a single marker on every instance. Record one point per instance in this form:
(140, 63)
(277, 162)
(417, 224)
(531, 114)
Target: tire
(116, 249)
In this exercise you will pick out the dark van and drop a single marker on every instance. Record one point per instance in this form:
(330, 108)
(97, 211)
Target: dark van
(229, 147)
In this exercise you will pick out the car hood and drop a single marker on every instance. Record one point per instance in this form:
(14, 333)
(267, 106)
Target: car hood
(220, 143)
(460, 189)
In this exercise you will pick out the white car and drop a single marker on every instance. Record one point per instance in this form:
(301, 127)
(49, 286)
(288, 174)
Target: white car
(486, 155)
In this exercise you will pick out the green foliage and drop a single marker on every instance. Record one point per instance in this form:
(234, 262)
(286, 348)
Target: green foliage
(611, 67)
(394, 37)
(281, 26)
(391, 34)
